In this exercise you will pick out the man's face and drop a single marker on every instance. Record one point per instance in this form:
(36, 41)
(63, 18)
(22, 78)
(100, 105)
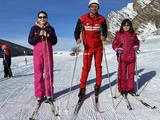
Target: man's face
(93, 8)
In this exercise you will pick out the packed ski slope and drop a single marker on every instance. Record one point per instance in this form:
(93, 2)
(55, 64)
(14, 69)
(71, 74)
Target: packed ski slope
(17, 99)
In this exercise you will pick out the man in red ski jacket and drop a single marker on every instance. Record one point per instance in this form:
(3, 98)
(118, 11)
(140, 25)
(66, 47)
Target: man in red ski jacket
(93, 28)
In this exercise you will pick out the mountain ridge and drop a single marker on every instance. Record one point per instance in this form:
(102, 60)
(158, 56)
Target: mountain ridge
(17, 50)
(144, 15)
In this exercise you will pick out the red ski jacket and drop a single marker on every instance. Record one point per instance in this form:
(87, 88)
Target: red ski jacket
(126, 41)
(91, 30)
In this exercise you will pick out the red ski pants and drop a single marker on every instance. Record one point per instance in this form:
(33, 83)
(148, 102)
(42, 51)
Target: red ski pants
(126, 76)
(97, 53)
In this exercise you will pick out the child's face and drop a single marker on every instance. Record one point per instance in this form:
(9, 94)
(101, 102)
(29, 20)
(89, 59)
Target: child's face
(126, 27)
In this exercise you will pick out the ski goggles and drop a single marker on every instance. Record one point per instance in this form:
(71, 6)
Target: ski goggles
(126, 25)
(4, 48)
(44, 17)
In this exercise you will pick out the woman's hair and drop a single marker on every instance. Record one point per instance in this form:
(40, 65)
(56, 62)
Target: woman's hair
(126, 21)
(43, 13)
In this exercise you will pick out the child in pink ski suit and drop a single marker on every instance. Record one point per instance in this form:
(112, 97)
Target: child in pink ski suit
(125, 44)
(42, 36)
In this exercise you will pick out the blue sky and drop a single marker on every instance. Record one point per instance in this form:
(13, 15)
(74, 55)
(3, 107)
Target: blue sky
(18, 16)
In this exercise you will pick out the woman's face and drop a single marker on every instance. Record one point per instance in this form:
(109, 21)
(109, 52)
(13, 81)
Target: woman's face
(42, 19)
(126, 27)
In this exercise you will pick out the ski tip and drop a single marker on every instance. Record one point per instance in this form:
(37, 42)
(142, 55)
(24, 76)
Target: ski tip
(31, 119)
(154, 107)
(130, 108)
(98, 111)
(57, 115)
(114, 97)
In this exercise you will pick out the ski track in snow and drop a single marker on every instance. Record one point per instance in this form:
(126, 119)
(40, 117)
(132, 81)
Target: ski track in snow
(17, 99)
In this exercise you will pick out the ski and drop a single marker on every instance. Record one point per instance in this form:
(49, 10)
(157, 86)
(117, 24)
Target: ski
(144, 103)
(35, 110)
(127, 102)
(97, 104)
(95, 101)
(77, 108)
(53, 108)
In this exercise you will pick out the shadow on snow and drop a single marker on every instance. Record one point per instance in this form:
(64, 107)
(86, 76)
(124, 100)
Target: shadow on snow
(57, 94)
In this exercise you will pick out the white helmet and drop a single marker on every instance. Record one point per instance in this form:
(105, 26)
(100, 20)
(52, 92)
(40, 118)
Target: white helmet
(93, 1)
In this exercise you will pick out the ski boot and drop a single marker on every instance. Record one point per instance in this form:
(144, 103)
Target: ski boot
(49, 99)
(81, 93)
(124, 94)
(40, 100)
(131, 92)
(96, 91)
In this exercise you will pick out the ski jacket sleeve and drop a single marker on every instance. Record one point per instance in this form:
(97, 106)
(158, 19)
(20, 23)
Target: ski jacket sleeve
(78, 29)
(136, 42)
(104, 28)
(116, 43)
(52, 37)
(34, 37)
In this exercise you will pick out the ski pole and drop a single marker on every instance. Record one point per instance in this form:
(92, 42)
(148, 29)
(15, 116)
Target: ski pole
(119, 55)
(44, 60)
(108, 74)
(51, 84)
(101, 30)
(77, 52)
(136, 73)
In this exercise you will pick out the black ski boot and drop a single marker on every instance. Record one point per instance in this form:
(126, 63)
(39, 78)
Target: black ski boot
(124, 94)
(96, 92)
(131, 92)
(49, 99)
(81, 93)
(41, 99)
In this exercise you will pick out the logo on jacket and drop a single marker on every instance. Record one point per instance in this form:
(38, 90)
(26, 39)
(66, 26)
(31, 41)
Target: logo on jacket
(131, 37)
(87, 24)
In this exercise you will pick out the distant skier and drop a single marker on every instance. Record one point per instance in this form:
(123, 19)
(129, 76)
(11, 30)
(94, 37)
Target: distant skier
(94, 31)
(126, 44)
(6, 61)
(42, 36)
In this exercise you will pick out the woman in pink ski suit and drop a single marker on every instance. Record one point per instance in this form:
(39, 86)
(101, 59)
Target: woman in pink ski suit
(125, 44)
(42, 36)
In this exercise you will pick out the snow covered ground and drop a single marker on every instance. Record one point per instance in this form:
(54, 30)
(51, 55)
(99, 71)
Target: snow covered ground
(17, 99)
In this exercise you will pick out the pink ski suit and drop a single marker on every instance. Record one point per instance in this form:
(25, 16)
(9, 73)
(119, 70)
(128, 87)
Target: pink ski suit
(43, 60)
(127, 59)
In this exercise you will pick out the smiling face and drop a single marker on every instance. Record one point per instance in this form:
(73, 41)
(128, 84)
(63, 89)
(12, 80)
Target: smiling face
(126, 27)
(93, 9)
(42, 19)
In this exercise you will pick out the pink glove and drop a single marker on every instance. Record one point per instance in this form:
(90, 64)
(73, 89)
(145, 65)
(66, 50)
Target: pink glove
(119, 50)
(136, 47)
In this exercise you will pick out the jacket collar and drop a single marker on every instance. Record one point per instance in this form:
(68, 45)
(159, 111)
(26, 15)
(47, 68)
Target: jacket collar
(37, 24)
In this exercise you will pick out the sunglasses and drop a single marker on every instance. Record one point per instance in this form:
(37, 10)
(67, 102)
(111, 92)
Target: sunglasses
(40, 17)
(126, 25)
(4, 48)
(93, 6)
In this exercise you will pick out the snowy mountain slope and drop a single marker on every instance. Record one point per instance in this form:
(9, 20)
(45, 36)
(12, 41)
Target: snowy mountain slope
(144, 15)
(17, 99)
